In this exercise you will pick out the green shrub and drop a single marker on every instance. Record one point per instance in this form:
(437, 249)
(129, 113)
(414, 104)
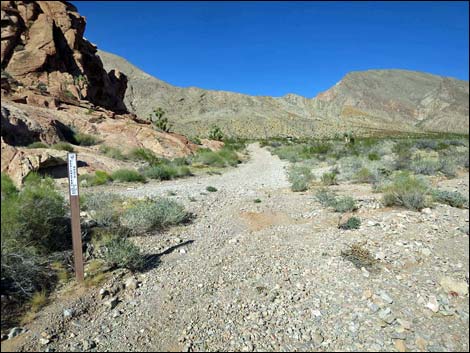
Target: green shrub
(451, 198)
(364, 176)
(166, 171)
(83, 139)
(345, 204)
(42, 208)
(147, 215)
(222, 158)
(99, 178)
(144, 154)
(120, 252)
(37, 144)
(425, 166)
(216, 134)
(63, 146)
(373, 156)
(448, 167)
(257, 201)
(104, 208)
(326, 197)
(351, 223)
(127, 175)
(406, 190)
(112, 152)
(159, 121)
(8, 187)
(329, 178)
(300, 177)
(211, 189)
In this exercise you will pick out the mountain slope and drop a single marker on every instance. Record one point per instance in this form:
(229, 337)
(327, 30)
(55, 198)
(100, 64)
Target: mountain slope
(364, 102)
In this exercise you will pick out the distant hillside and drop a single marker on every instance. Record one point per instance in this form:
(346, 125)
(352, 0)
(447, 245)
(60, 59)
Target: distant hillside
(364, 102)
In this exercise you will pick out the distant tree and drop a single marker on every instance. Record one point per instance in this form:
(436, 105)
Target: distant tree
(159, 121)
(216, 133)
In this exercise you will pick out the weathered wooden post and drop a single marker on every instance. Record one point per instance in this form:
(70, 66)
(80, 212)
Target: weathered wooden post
(75, 216)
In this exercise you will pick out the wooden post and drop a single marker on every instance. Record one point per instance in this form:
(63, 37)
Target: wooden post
(75, 216)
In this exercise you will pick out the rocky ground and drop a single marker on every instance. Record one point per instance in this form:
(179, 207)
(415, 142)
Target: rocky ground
(270, 275)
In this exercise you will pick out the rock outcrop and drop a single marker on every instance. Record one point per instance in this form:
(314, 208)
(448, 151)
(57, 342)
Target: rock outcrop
(54, 86)
(43, 48)
(368, 102)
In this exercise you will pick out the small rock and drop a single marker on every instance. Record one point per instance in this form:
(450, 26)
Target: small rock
(421, 343)
(405, 324)
(317, 339)
(433, 304)
(15, 331)
(400, 345)
(88, 344)
(426, 252)
(112, 302)
(44, 341)
(451, 285)
(103, 293)
(131, 283)
(182, 251)
(68, 313)
(365, 273)
(386, 298)
(426, 210)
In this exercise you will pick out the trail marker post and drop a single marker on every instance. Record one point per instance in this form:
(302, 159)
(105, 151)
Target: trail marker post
(75, 216)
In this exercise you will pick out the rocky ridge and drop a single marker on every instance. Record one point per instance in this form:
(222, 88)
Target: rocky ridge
(367, 102)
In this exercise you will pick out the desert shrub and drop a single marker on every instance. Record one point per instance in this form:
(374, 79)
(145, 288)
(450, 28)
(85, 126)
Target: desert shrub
(62, 146)
(99, 178)
(37, 144)
(425, 166)
(24, 269)
(42, 209)
(329, 178)
(8, 187)
(373, 156)
(364, 176)
(448, 167)
(224, 157)
(83, 139)
(166, 171)
(451, 198)
(112, 152)
(406, 190)
(32, 226)
(159, 121)
(216, 134)
(350, 166)
(344, 204)
(423, 144)
(234, 144)
(300, 177)
(326, 197)
(351, 223)
(211, 189)
(127, 175)
(144, 154)
(119, 251)
(147, 215)
(103, 207)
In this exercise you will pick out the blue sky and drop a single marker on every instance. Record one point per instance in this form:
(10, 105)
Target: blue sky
(275, 48)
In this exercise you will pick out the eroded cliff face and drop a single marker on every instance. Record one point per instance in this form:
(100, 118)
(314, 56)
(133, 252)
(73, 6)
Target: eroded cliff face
(53, 85)
(43, 48)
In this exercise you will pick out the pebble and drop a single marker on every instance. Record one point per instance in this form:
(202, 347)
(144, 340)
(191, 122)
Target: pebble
(433, 304)
(451, 285)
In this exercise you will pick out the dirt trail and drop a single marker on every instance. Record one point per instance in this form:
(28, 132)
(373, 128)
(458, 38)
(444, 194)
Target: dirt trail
(269, 276)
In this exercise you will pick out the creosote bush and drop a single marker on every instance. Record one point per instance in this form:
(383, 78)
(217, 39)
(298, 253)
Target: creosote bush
(119, 251)
(406, 190)
(300, 177)
(63, 146)
(99, 178)
(351, 223)
(37, 144)
(148, 215)
(127, 175)
(329, 178)
(451, 198)
(83, 139)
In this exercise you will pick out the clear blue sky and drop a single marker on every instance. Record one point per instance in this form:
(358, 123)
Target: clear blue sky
(274, 48)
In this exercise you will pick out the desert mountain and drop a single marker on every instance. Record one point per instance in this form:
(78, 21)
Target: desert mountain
(372, 101)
